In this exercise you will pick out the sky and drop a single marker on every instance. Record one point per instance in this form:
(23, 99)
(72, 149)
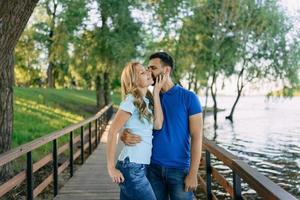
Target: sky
(292, 8)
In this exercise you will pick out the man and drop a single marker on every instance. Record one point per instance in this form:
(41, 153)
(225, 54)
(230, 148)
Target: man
(176, 151)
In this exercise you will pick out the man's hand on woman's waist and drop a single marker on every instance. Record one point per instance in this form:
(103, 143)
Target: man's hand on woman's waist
(129, 138)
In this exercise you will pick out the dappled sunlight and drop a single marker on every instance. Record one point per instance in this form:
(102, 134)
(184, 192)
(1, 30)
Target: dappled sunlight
(74, 96)
(33, 120)
(32, 106)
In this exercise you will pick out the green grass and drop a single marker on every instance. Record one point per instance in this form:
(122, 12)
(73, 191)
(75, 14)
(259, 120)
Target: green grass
(116, 97)
(40, 111)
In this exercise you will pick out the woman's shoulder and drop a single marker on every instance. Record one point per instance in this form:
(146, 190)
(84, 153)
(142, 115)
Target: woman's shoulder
(129, 97)
(127, 104)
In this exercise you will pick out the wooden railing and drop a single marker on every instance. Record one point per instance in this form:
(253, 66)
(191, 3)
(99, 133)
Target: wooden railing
(90, 130)
(263, 186)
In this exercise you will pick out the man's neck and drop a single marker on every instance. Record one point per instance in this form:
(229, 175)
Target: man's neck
(167, 86)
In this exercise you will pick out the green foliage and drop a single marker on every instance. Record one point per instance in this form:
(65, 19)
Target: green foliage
(27, 71)
(107, 47)
(56, 31)
(249, 39)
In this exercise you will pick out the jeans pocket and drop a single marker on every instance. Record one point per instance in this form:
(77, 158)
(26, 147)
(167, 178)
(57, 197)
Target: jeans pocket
(137, 171)
(118, 164)
(126, 163)
(142, 167)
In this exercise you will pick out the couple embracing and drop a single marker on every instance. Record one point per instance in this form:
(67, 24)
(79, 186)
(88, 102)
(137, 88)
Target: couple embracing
(162, 132)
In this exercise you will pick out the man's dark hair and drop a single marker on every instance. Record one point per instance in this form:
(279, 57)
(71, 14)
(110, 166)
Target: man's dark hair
(165, 58)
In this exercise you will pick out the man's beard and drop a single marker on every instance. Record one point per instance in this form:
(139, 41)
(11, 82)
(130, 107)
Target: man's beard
(154, 79)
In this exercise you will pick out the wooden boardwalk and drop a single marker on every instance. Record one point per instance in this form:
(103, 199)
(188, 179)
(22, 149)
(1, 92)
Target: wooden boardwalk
(91, 181)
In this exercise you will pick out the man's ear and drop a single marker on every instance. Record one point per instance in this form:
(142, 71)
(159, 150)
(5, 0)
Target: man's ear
(168, 70)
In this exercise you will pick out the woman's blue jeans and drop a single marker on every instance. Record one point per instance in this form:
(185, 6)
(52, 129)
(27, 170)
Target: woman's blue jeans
(136, 185)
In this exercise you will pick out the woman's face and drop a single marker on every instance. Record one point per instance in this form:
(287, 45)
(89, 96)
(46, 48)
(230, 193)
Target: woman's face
(144, 78)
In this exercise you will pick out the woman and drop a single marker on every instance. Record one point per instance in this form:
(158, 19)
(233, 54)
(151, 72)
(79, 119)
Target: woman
(137, 113)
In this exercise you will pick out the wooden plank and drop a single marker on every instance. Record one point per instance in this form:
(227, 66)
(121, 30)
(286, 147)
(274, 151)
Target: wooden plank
(9, 185)
(219, 152)
(77, 154)
(42, 186)
(261, 184)
(222, 181)
(91, 181)
(39, 164)
(19, 178)
(202, 185)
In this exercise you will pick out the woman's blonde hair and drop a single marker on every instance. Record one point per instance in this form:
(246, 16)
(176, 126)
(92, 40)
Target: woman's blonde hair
(129, 79)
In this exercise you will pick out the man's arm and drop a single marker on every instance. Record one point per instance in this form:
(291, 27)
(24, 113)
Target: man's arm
(196, 131)
(129, 138)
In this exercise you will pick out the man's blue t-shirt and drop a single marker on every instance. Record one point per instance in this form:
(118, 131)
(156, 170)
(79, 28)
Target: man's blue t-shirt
(171, 144)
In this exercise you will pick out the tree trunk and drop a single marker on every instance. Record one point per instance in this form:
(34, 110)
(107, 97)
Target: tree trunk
(6, 106)
(230, 116)
(14, 15)
(50, 76)
(190, 81)
(196, 88)
(213, 90)
(240, 86)
(51, 65)
(206, 99)
(99, 92)
(106, 88)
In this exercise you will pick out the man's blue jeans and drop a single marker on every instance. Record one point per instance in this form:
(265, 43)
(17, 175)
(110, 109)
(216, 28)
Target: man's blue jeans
(168, 183)
(136, 185)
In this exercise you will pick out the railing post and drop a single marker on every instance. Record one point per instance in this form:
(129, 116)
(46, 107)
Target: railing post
(107, 114)
(208, 174)
(96, 132)
(71, 155)
(90, 138)
(99, 127)
(29, 176)
(237, 187)
(81, 145)
(111, 111)
(55, 167)
(101, 124)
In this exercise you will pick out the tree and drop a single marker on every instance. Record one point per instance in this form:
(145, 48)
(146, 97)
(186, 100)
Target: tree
(14, 16)
(27, 67)
(208, 39)
(56, 31)
(265, 52)
(106, 48)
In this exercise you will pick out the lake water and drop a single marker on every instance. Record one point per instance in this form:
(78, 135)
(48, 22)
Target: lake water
(265, 133)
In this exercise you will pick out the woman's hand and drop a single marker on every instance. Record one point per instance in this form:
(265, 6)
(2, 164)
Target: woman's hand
(159, 82)
(116, 175)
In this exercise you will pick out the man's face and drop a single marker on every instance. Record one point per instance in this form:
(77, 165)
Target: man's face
(155, 67)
